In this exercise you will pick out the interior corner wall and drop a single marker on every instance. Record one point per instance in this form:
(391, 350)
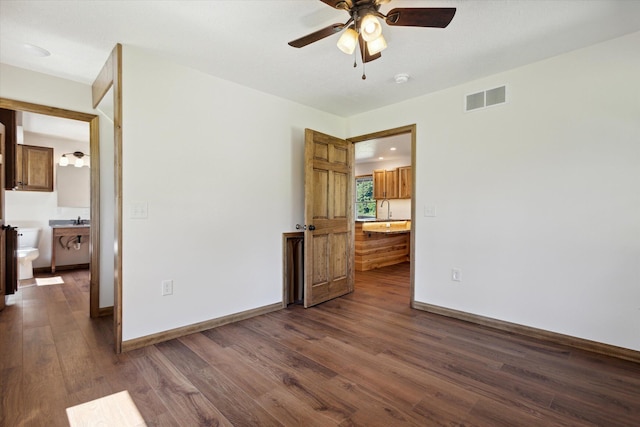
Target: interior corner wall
(219, 168)
(538, 199)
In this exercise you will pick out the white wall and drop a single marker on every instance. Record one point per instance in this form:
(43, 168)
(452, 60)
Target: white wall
(538, 200)
(36, 208)
(220, 168)
(28, 86)
(107, 206)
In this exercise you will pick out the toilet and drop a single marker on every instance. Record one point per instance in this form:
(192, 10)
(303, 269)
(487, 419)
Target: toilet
(27, 251)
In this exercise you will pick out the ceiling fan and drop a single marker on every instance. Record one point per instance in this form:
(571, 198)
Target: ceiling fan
(363, 29)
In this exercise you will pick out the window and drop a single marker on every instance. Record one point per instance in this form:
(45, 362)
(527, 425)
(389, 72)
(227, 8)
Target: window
(365, 203)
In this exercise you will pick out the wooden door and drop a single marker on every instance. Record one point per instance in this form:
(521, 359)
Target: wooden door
(2, 233)
(8, 118)
(328, 213)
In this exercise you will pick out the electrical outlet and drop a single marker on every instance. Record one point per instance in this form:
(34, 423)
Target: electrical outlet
(167, 287)
(456, 275)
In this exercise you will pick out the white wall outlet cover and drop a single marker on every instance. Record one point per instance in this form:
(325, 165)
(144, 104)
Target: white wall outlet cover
(167, 287)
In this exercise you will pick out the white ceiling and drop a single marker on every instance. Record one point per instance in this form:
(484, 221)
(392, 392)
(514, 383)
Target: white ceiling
(246, 42)
(397, 147)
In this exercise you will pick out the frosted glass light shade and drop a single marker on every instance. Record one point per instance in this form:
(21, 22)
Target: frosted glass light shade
(348, 41)
(64, 160)
(370, 28)
(376, 45)
(79, 162)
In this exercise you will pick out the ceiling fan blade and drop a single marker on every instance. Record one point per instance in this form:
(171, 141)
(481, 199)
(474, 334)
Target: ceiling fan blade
(317, 35)
(438, 17)
(364, 52)
(339, 4)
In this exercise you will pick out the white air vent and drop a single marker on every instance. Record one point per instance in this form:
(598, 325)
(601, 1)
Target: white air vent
(486, 98)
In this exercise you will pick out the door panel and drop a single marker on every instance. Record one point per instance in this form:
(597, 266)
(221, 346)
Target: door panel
(2, 238)
(11, 259)
(329, 218)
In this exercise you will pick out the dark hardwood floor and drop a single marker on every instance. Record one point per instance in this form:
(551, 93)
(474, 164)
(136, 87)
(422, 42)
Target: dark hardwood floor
(365, 359)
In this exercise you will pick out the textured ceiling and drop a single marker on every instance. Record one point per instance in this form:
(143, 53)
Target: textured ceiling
(246, 42)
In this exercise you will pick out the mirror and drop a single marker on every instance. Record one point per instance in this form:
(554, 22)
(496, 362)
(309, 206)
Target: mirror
(74, 186)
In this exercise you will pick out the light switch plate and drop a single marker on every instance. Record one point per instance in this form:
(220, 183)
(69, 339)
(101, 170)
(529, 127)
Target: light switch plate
(139, 210)
(429, 210)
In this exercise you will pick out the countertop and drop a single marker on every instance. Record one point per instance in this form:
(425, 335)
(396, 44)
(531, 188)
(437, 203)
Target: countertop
(69, 223)
(387, 227)
(383, 220)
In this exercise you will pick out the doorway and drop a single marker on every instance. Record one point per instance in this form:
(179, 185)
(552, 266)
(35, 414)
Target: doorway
(392, 152)
(93, 208)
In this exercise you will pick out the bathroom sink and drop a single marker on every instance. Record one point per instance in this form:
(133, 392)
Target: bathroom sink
(69, 223)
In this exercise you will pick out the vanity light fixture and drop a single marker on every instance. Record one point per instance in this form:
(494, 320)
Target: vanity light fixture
(79, 159)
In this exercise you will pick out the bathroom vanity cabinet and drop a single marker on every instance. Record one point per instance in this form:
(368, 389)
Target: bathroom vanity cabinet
(59, 232)
(34, 168)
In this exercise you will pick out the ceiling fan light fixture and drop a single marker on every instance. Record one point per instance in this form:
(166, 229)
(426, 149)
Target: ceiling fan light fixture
(376, 45)
(348, 41)
(370, 28)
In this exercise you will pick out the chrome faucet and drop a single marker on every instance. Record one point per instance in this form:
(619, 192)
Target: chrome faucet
(78, 221)
(388, 208)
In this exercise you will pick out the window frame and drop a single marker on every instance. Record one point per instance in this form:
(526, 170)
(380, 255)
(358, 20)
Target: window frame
(371, 201)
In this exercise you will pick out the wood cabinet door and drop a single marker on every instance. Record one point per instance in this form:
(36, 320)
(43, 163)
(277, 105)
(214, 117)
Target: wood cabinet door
(391, 183)
(404, 177)
(328, 213)
(379, 186)
(35, 166)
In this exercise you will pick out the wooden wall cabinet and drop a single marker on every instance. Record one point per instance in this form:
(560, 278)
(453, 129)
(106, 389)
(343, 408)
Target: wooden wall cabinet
(404, 179)
(379, 188)
(385, 184)
(392, 184)
(34, 168)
